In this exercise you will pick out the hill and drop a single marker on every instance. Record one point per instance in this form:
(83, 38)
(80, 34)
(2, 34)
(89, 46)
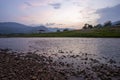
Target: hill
(13, 27)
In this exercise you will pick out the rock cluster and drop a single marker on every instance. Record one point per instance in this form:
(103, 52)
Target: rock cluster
(32, 66)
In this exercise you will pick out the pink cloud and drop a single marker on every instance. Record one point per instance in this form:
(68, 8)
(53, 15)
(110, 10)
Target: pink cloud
(35, 3)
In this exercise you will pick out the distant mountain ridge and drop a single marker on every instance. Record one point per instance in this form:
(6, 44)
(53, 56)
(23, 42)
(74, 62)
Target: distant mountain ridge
(116, 23)
(13, 27)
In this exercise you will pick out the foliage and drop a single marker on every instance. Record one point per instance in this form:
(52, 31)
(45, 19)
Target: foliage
(94, 32)
(65, 30)
(87, 26)
(58, 30)
(107, 24)
(98, 26)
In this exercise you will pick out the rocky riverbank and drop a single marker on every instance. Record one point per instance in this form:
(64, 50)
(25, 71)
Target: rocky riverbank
(31, 66)
(28, 67)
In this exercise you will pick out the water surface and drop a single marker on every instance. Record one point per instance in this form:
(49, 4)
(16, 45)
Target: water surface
(109, 47)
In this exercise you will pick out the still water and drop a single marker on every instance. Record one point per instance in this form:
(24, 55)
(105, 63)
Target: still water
(109, 47)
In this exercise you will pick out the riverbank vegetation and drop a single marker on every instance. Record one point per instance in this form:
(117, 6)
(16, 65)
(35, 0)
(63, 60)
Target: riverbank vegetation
(93, 32)
(99, 30)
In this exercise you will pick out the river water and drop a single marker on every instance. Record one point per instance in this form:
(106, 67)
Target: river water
(101, 46)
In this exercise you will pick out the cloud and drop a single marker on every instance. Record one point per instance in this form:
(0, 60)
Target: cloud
(35, 3)
(28, 4)
(56, 5)
(109, 13)
(50, 24)
(88, 15)
(54, 24)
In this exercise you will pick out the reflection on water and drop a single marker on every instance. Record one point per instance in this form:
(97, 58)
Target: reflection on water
(108, 47)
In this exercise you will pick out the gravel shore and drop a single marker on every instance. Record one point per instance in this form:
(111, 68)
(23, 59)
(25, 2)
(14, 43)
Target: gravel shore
(17, 66)
(28, 67)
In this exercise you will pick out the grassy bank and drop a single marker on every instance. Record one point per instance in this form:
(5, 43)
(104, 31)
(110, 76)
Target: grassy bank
(95, 32)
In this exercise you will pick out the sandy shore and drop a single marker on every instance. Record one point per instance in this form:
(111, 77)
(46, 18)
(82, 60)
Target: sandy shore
(31, 66)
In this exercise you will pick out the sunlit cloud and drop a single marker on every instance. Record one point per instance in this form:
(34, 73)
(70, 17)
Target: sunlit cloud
(89, 15)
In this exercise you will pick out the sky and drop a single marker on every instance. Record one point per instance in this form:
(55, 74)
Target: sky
(59, 13)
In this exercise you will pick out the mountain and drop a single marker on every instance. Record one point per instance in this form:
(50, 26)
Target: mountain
(117, 23)
(13, 27)
(37, 28)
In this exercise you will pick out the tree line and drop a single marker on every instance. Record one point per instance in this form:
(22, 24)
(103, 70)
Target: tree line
(89, 26)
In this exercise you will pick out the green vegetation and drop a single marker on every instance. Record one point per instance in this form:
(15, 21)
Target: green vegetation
(93, 32)
(88, 30)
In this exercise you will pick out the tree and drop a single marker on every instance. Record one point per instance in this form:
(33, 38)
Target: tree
(98, 26)
(65, 30)
(90, 26)
(58, 30)
(107, 24)
(85, 26)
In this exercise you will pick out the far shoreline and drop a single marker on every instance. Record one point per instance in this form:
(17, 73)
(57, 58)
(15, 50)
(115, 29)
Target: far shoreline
(106, 32)
(58, 37)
